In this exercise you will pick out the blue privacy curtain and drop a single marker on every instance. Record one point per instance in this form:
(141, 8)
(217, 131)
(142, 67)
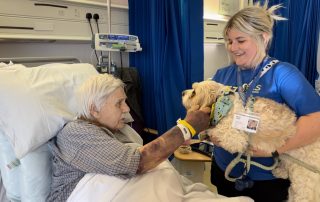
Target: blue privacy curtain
(171, 36)
(296, 40)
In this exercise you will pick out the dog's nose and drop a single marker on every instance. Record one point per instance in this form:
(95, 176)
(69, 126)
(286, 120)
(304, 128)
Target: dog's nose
(183, 92)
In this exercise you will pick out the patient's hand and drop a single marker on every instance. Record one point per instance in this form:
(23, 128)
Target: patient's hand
(187, 142)
(158, 150)
(198, 119)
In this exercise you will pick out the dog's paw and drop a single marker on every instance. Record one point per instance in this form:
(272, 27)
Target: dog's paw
(280, 172)
(203, 136)
(213, 138)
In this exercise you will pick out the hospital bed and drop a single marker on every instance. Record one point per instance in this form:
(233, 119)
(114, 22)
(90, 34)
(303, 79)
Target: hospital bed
(48, 79)
(35, 104)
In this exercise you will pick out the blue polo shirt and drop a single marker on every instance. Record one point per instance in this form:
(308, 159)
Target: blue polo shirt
(283, 83)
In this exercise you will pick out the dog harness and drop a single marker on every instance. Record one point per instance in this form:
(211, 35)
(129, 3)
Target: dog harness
(222, 105)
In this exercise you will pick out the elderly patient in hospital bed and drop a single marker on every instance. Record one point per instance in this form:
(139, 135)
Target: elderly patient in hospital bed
(98, 157)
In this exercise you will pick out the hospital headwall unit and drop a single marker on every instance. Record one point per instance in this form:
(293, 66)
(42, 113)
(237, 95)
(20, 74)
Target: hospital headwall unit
(57, 20)
(58, 28)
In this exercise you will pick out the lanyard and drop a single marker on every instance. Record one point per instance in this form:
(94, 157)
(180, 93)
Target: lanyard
(245, 93)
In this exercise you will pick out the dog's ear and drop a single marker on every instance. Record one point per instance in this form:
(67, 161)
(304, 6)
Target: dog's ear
(215, 90)
(195, 85)
(206, 92)
(203, 94)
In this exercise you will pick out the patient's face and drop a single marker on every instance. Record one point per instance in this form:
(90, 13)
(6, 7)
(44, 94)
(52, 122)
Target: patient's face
(112, 112)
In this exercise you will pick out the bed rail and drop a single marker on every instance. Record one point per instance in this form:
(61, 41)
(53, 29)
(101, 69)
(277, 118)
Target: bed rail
(35, 61)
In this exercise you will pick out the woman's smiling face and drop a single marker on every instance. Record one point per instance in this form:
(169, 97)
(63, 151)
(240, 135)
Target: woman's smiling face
(242, 47)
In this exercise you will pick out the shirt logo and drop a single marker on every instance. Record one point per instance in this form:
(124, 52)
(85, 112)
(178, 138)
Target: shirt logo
(256, 90)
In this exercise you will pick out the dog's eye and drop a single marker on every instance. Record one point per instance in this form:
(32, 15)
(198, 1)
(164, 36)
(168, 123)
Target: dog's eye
(193, 93)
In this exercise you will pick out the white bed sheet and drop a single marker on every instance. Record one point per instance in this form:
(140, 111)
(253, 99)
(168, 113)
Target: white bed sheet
(163, 184)
(3, 197)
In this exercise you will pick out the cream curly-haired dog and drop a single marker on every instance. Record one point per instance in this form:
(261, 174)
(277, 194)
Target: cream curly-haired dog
(276, 125)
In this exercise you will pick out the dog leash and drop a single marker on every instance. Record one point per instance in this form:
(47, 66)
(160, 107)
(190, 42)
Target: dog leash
(301, 163)
(248, 162)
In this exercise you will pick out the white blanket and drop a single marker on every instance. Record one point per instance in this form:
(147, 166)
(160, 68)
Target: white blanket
(3, 197)
(163, 184)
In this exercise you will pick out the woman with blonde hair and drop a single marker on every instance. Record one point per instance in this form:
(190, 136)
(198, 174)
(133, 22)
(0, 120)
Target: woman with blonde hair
(248, 36)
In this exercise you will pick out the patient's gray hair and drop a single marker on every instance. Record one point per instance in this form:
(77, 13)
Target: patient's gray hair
(255, 21)
(93, 93)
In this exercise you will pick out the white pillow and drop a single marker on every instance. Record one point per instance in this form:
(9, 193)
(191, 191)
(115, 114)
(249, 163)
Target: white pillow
(30, 181)
(35, 176)
(36, 102)
(2, 64)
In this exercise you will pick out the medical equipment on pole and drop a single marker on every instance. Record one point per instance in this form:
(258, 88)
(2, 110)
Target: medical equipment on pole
(115, 42)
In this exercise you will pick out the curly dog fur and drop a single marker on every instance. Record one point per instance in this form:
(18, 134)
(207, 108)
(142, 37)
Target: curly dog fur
(277, 124)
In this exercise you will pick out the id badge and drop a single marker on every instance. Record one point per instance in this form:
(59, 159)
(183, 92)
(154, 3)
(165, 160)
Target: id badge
(246, 122)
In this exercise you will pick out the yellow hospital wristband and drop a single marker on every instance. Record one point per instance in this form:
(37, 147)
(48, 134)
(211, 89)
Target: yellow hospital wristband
(186, 124)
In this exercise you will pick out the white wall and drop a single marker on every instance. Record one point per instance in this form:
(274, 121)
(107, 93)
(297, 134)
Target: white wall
(215, 57)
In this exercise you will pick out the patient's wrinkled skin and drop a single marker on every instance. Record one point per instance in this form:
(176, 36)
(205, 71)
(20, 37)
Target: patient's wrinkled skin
(153, 153)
